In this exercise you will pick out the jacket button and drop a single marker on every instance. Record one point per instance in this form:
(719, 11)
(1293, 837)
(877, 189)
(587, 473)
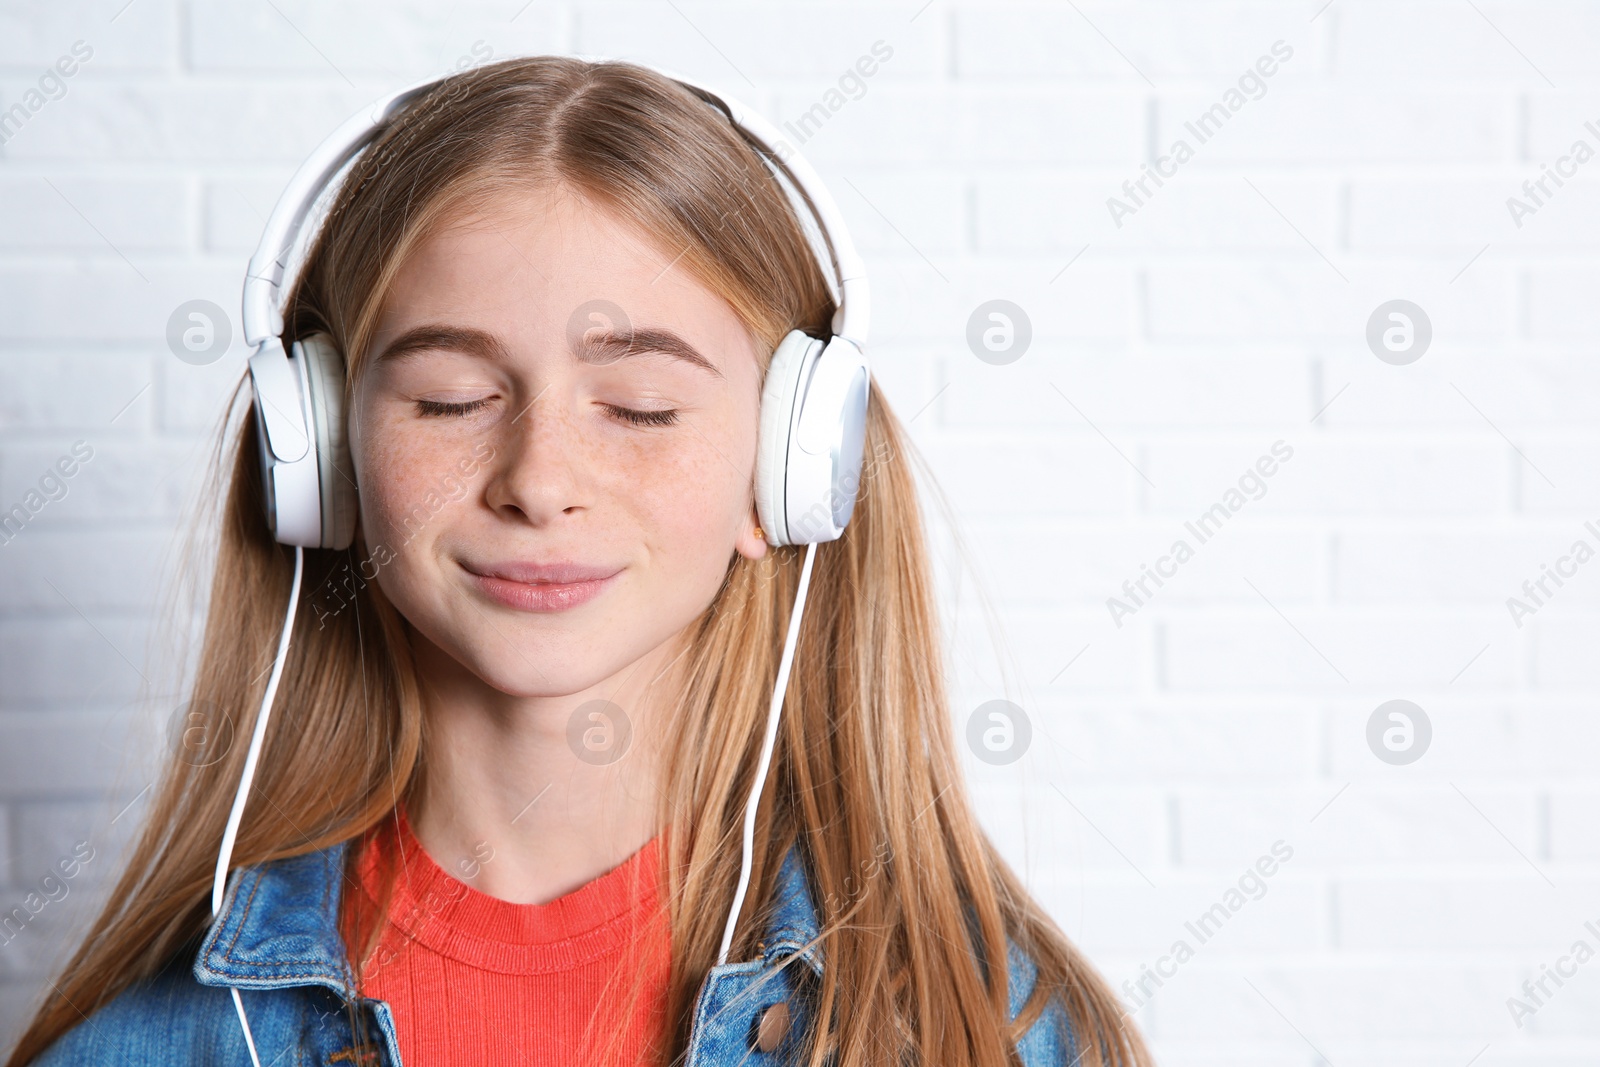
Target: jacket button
(773, 1026)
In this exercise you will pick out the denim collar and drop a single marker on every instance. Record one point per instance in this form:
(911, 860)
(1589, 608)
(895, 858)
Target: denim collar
(279, 925)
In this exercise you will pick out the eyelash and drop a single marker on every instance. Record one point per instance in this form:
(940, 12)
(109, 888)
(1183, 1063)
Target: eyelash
(644, 418)
(445, 407)
(442, 408)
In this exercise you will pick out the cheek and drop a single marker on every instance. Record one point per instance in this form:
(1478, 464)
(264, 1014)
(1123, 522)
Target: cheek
(696, 488)
(690, 505)
(406, 484)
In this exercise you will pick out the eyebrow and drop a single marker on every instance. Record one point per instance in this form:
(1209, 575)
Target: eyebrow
(597, 347)
(601, 346)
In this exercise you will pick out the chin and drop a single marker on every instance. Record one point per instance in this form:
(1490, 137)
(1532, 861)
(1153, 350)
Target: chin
(556, 675)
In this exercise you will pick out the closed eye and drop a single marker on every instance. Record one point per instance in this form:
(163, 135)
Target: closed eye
(644, 418)
(448, 407)
(457, 409)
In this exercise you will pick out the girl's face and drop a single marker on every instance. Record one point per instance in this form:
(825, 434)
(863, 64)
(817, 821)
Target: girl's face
(542, 500)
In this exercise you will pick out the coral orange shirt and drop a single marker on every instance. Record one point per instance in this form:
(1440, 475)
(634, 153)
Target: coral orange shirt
(472, 979)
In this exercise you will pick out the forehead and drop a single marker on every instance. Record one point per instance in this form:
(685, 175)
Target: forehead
(540, 267)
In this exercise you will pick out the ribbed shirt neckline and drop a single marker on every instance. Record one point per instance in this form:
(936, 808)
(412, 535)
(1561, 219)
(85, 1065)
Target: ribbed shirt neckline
(448, 916)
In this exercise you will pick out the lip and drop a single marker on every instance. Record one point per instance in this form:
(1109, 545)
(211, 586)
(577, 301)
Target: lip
(541, 587)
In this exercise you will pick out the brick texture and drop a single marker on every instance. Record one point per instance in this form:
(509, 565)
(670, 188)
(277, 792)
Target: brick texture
(1180, 328)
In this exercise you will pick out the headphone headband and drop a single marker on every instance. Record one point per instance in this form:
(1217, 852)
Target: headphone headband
(262, 317)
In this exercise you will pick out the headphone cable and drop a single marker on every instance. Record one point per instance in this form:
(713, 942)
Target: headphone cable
(231, 832)
(767, 744)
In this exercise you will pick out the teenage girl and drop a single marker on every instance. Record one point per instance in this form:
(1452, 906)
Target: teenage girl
(501, 793)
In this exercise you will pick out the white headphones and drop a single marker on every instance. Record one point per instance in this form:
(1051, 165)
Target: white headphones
(813, 406)
(808, 465)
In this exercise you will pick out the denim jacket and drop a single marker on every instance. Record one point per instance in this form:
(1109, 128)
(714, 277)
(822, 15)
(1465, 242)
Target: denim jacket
(277, 941)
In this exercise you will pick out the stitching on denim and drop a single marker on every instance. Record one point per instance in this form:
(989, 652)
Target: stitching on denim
(703, 999)
(275, 970)
(243, 917)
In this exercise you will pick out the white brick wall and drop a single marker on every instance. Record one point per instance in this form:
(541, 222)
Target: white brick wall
(1226, 313)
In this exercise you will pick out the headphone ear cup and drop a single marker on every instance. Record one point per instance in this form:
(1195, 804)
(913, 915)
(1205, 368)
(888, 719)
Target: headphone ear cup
(779, 397)
(323, 374)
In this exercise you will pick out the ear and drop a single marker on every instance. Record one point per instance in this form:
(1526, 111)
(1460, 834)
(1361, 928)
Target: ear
(747, 543)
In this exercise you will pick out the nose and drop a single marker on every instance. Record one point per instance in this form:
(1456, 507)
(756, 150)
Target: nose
(537, 471)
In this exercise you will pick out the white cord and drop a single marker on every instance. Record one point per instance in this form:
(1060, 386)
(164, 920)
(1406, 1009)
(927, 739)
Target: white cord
(244, 1024)
(231, 832)
(766, 752)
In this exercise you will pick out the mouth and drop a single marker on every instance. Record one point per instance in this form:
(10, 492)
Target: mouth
(541, 587)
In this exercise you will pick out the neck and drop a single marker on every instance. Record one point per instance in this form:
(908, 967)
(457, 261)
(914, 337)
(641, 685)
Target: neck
(520, 803)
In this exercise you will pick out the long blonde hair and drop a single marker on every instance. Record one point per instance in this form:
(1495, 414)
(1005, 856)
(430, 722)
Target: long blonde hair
(912, 897)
